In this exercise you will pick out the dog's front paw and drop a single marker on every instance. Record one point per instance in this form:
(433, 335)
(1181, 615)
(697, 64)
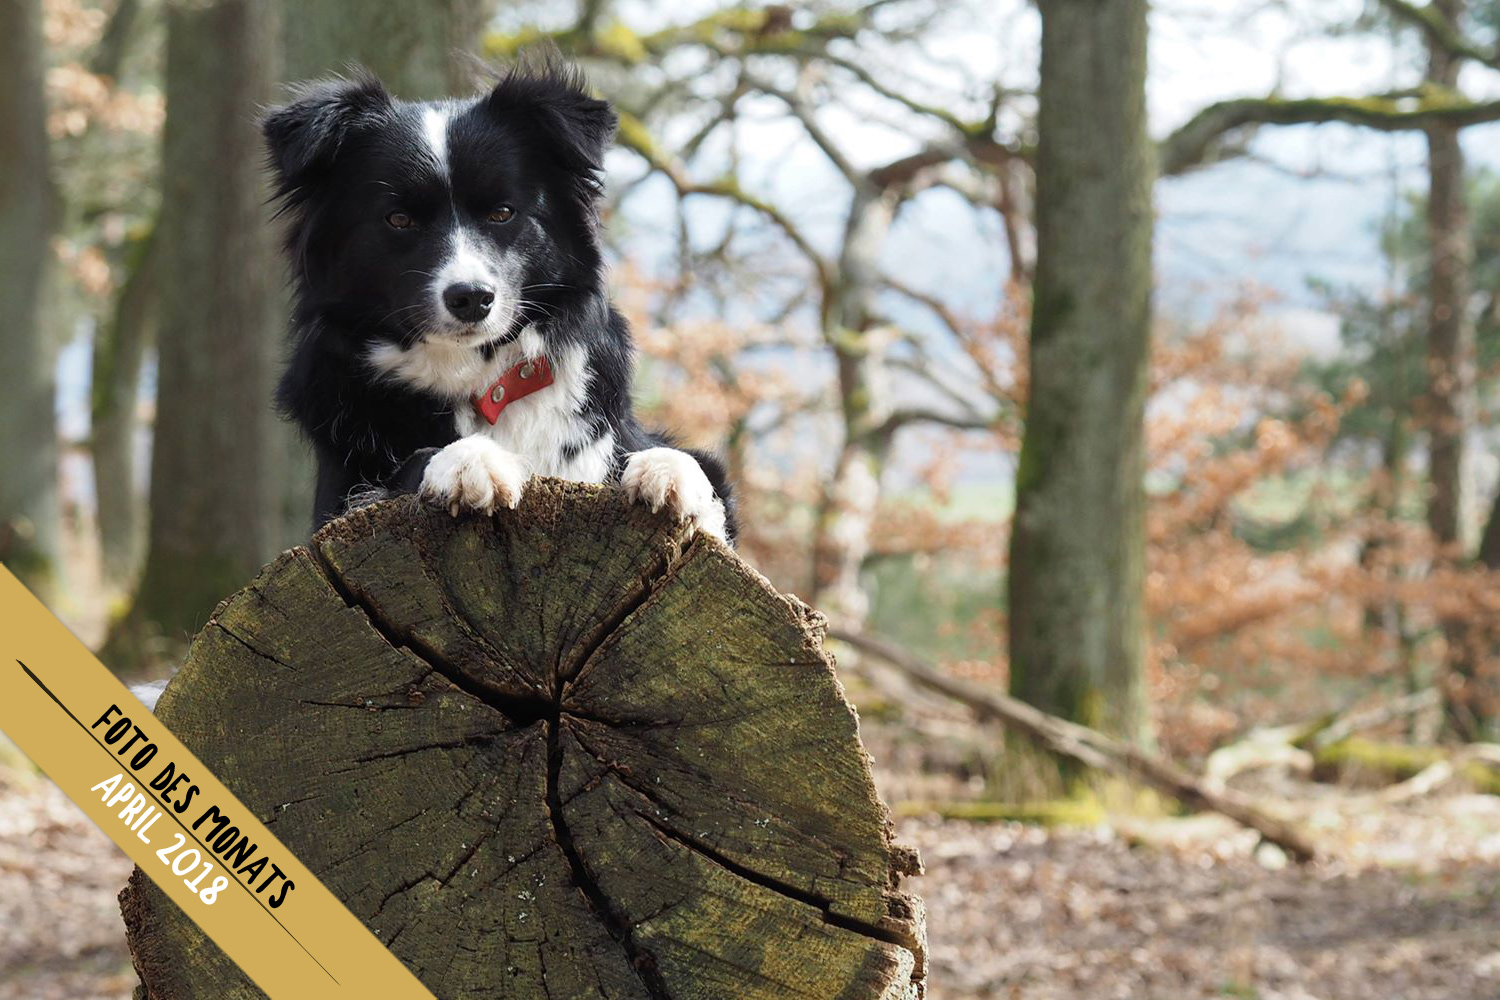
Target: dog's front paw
(666, 477)
(474, 473)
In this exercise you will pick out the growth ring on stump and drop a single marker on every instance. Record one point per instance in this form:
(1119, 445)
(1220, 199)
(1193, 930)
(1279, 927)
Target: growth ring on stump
(561, 752)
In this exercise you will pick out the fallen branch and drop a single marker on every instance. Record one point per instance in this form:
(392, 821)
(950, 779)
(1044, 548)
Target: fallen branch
(1463, 764)
(1261, 749)
(1401, 762)
(1295, 747)
(1087, 746)
(1345, 725)
(1419, 785)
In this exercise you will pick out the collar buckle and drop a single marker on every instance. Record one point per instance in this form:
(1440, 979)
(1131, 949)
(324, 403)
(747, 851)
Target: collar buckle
(516, 383)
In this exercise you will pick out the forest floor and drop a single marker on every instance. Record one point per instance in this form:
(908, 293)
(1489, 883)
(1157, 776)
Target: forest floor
(1174, 909)
(1022, 912)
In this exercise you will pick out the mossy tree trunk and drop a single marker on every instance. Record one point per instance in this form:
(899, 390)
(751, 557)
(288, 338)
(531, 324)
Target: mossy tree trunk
(561, 752)
(1077, 617)
(845, 526)
(418, 49)
(119, 350)
(211, 470)
(120, 342)
(28, 213)
(1450, 335)
(1448, 410)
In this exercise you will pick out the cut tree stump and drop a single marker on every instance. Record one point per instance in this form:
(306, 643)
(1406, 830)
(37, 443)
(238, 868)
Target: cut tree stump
(561, 752)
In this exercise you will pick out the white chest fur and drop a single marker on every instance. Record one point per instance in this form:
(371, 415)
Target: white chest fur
(544, 428)
(548, 426)
(545, 433)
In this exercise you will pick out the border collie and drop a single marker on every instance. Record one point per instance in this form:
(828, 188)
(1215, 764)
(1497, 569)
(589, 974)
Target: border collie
(451, 334)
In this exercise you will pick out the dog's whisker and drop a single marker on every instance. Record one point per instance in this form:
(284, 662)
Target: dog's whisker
(400, 310)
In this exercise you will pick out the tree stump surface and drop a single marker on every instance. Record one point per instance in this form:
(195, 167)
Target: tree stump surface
(561, 752)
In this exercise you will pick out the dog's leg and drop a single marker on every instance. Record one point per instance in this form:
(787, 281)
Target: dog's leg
(335, 483)
(666, 477)
(408, 478)
(474, 473)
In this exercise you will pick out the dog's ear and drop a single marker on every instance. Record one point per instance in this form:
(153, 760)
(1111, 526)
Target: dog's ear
(552, 97)
(304, 135)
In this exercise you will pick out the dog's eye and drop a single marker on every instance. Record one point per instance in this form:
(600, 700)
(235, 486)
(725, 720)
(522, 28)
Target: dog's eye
(502, 214)
(399, 220)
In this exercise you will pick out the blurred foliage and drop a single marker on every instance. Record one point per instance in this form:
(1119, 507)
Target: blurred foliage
(1383, 333)
(943, 605)
(105, 114)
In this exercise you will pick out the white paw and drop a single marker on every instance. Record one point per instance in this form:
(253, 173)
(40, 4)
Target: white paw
(474, 473)
(666, 477)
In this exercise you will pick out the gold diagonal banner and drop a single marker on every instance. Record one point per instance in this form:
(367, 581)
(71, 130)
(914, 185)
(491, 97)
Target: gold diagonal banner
(143, 788)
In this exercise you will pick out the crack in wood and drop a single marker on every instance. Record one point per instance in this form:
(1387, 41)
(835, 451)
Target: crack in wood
(401, 889)
(641, 960)
(651, 579)
(473, 740)
(527, 711)
(263, 654)
(822, 904)
(520, 711)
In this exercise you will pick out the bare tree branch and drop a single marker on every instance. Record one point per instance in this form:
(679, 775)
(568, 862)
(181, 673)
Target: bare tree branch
(737, 33)
(1193, 144)
(900, 172)
(807, 118)
(925, 370)
(931, 303)
(1439, 30)
(635, 137)
(908, 416)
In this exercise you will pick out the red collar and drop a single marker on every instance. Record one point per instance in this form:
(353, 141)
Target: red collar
(520, 381)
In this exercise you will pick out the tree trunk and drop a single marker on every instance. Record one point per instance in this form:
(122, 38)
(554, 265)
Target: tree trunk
(211, 485)
(1479, 670)
(1449, 404)
(846, 516)
(581, 755)
(1450, 347)
(1489, 541)
(119, 349)
(109, 57)
(1077, 616)
(846, 519)
(28, 212)
(119, 346)
(419, 49)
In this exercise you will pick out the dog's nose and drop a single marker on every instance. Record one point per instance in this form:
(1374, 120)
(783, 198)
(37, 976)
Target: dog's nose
(468, 302)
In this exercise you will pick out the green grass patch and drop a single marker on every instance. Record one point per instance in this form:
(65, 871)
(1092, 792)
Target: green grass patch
(1046, 812)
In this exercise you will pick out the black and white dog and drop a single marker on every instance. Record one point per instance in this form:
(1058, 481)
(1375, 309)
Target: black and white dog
(452, 335)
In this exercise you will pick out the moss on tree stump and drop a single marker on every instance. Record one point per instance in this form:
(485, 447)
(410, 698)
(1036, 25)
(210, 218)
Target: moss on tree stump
(558, 753)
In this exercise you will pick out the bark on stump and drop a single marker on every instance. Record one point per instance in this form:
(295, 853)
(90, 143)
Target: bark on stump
(560, 752)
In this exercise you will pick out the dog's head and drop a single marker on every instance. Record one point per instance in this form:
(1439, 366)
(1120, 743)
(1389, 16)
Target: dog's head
(450, 223)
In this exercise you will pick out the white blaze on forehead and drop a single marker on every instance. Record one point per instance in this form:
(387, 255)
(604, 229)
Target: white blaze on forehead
(435, 132)
(470, 260)
(466, 263)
